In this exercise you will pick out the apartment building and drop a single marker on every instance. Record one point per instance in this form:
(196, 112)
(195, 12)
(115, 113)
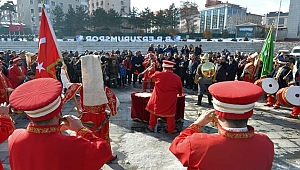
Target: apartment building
(120, 6)
(29, 11)
(293, 24)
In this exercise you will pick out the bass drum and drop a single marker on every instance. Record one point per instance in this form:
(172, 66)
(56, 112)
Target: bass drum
(282, 97)
(270, 85)
(293, 95)
(259, 82)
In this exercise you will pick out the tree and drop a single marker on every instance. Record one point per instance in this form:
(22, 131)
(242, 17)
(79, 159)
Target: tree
(207, 34)
(160, 21)
(134, 19)
(58, 20)
(98, 18)
(10, 7)
(225, 33)
(173, 16)
(81, 18)
(147, 18)
(114, 19)
(188, 12)
(70, 21)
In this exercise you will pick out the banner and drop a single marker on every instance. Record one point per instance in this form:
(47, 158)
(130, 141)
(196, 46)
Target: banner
(16, 28)
(266, 55)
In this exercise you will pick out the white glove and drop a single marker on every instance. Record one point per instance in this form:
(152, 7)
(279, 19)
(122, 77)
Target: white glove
(10, 89)
(118, 76)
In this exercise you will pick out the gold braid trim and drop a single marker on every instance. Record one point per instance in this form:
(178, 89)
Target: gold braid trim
(195, 127)
(83, 131)
(4, 115)
(48, 69)
(236, 135)
(43, 130)
(159, 115)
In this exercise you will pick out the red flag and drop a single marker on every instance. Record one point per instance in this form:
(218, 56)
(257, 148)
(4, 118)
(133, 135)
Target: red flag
(49, 54)
(16, 28)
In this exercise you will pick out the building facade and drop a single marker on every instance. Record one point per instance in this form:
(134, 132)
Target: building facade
(122, 7)
(293, 25)
(30, 11)
(221, 16)
(272, 19)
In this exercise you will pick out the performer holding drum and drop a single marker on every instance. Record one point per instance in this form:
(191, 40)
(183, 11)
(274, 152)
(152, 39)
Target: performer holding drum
(150, 61)
(162, 102)
(249, 70)
(283, 75)
(94, 97)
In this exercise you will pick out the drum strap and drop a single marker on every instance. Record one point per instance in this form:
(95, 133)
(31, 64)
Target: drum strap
(280, 70)
(103, 123)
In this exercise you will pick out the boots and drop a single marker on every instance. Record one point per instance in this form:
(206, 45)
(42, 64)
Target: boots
(199, 100)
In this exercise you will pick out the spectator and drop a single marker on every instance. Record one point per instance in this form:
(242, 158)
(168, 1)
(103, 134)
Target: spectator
(221, 69)
(113, 73)
(185, 50)
(158, 50)
(122, 73)
(198, 50)
(231, 68)
(128, 66)
(175, 50)
(30, 76)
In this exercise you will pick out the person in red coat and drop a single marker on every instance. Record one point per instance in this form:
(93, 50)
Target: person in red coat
(5, 86)
(162, 102)
(150, 61)
(41, 145)
(6, 125)
(236, 146)
(17, 72)
(128, 66)
(250, 69)
(94, 98)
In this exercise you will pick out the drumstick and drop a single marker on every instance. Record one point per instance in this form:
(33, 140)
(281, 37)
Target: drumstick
(287, 74)
(88, 125)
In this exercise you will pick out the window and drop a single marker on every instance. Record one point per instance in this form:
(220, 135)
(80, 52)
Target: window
(101, 3)
(31, 1)
(52, 3)
(32, 11)
(46, 1)
(48, 10)
(70, 6)
(77, 6)
(97, 4)
(281, 21)
(61, 4)
(40, 9)
(298, 33)
(271, 21)
(122, 2)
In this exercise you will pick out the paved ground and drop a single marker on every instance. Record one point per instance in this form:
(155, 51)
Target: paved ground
(138, 149)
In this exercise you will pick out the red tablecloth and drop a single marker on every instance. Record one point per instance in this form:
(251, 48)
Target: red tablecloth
(138, 105)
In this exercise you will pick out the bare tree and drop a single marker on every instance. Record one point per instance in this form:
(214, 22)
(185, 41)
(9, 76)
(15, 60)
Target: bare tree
(188, 12)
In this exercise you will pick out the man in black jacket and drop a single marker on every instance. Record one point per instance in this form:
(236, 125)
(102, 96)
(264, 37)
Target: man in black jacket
(231, 68)
(221, 69)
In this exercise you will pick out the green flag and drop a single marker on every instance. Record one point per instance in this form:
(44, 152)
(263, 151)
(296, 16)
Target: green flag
(266, 55)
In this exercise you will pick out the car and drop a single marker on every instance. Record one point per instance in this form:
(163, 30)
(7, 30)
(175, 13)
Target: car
(296, 52)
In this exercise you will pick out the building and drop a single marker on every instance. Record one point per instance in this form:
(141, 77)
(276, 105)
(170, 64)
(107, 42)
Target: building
(122, 7)
(293, 25)
(253, 18)
(7, 16)
(193, 25)
(250, 30)
(219, 16)
(272, 19)
(29, 12)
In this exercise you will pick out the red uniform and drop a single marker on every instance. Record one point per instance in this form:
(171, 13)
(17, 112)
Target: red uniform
(4, 84)
(6, 128)
(225, 150)
(52, 150)
(162, 103)
(17, 75)
(147, 78)
(97, 114)
(249, 72)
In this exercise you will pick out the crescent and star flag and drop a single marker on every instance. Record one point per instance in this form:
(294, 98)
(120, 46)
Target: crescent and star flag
(266, 55)
(48, 54)
(16, 28)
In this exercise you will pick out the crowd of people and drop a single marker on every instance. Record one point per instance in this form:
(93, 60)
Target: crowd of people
(162, 71)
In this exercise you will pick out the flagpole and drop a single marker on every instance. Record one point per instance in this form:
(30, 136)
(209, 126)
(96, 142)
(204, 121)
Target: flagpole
(278, 21)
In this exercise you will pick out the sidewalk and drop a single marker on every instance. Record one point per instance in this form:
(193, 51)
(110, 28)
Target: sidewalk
(138, 149)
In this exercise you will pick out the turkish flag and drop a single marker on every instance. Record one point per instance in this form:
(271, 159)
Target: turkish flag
(16, 28)
(48, 54)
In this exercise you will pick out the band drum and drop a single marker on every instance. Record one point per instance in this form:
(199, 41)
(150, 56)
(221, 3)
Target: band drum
(282, 98)
(139, 102)
(259, 82)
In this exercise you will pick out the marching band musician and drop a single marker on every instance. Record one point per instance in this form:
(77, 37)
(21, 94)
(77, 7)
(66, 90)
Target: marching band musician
(295, 109)
(236, 145)
(150, 61)
(94, 97)
(5, 86)
(204, 81)
(162, 102)
(249, 70)
(282, 74)
(17, 72)
(41, 145)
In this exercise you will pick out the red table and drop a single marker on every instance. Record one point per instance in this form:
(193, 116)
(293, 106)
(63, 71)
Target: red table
(139, 102)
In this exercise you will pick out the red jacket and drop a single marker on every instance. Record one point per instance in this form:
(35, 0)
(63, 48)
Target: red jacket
(4, 84)
(129, 66)
(6, 129)
(44, 147)
(16, 76)
(224, 150)
(163, 100)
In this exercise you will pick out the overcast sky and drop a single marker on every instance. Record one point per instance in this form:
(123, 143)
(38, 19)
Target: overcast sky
(253, 6)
